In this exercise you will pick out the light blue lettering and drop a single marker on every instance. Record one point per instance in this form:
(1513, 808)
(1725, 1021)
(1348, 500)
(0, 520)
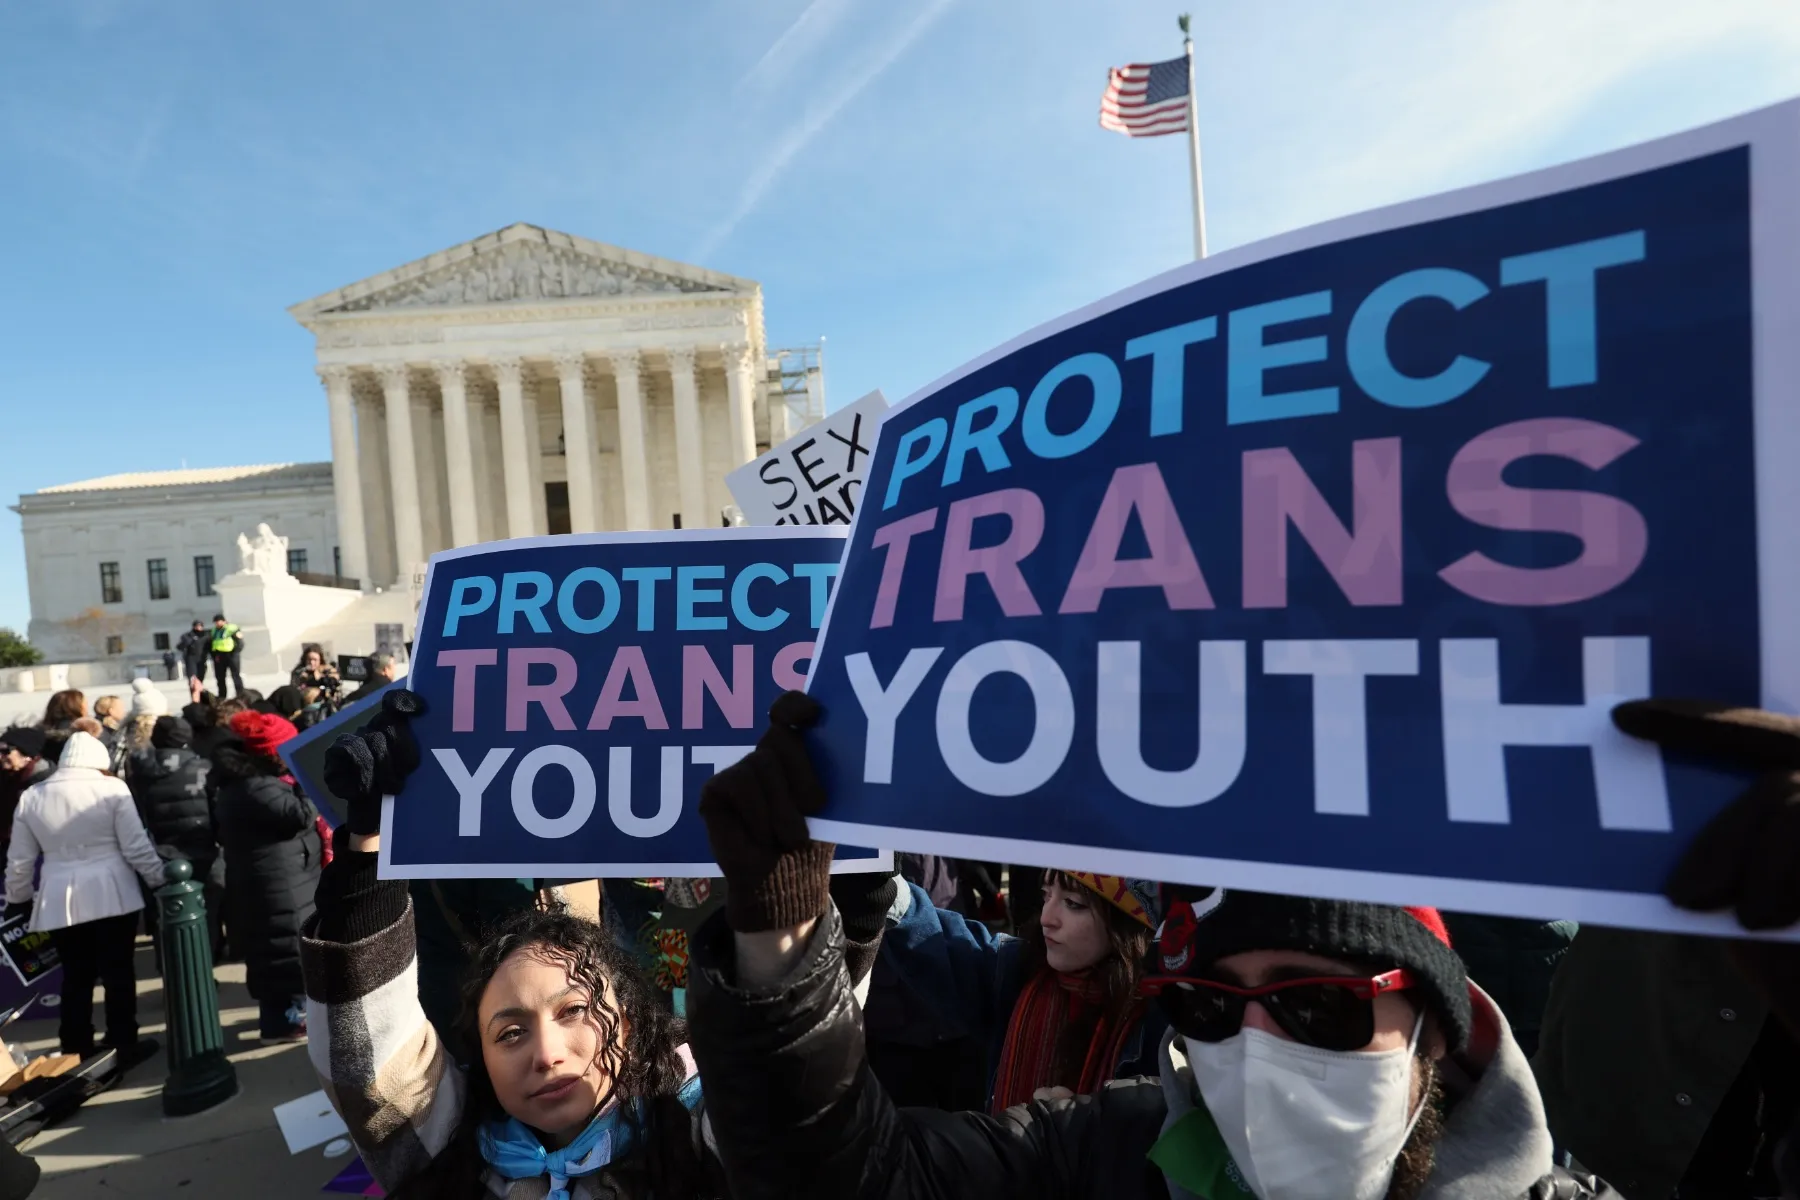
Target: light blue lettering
(1248, 356)
(531, 607)
(687, 595)
(460, 607)
(746, 616)
(1366, 346)
(1568, 276)
(1167, 351)
(1103, 373)
(645, 578)
(573, 621)
(1004, 404)
(821, 575)
(931, 433)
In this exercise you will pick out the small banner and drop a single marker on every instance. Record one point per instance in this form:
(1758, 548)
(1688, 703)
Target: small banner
(816, 476)
(1317, 566)
(580, 690)
(30, 955)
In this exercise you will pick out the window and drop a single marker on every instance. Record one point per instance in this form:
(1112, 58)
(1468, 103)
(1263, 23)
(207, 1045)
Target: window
(160, 641)
(159, 578)
(115, 644)
(203, 574)
(556, 507)
(110, 591)
(296, 562)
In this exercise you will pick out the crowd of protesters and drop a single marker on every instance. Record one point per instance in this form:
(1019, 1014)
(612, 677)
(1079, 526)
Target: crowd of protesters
(954, 1029)
(93, 804)
(868, 1036)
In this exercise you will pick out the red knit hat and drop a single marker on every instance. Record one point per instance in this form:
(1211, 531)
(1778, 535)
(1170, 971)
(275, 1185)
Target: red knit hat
(262, 732)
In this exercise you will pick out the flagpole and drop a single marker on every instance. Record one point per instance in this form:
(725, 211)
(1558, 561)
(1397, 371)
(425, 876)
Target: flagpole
(1193, 132)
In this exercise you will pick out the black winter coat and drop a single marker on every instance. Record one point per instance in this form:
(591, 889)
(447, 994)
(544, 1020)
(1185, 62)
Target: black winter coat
(796, 1112)
(172, 797)
(266, 828)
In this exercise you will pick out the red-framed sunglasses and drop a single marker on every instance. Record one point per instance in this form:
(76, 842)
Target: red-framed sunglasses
(1332, 1012)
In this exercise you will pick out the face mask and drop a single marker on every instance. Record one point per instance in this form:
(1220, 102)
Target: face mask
(1303, 1123)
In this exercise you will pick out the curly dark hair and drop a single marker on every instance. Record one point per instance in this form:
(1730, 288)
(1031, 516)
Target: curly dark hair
(639, 1037)
(1117, 974)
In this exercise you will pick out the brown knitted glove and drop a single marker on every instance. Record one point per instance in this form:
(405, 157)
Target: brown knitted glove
(1748, 857)
(755, 812)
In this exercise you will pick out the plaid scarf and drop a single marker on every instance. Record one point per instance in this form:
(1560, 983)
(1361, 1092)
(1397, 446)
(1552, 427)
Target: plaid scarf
(1049, 1002)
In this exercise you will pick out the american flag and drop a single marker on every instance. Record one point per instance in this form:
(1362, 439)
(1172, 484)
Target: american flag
(1146, 99)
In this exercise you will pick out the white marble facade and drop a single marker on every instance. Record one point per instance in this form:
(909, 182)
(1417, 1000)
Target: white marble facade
(471, 390)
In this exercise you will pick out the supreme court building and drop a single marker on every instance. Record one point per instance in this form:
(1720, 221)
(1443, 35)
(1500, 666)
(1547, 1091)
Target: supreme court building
(532, 382)
(527, 382)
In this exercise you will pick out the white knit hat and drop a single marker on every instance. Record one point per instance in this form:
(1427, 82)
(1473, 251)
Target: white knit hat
(84, 750)
(147, 701)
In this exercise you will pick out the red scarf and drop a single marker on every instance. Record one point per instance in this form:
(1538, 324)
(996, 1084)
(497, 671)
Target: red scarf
(1048, 1003)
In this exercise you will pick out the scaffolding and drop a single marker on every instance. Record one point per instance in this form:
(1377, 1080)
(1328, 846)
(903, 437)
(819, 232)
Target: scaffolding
(795, 386)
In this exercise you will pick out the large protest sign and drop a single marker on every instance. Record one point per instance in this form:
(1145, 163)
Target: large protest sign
(816, 476)
(581, 690)
(1317, 566)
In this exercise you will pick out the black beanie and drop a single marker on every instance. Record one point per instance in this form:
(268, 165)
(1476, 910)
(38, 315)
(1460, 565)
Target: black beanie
(171, 733)
(1198, 932)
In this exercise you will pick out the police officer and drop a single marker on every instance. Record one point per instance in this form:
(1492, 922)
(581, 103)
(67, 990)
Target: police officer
(227, 647)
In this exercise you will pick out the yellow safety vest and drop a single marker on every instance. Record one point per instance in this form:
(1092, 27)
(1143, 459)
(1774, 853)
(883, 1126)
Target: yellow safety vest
(224, 639)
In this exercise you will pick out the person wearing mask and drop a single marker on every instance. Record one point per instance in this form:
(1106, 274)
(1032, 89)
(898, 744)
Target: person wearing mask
(226, 647)
(1318, 1050)
(194, 646)
(268, 832)
(958, 1018)
(168, 781)
(383, 670)
(22, 763)
(95, 850)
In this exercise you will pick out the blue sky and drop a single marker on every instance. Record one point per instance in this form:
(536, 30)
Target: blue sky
(917, 181)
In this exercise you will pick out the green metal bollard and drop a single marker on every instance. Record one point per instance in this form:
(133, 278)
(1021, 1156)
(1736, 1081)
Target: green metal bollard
(200, 1075)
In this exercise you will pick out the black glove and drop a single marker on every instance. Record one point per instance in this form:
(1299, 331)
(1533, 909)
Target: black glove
(362, 767)
(863, 899)
(1748, 857)
(755, 812)
(17, 910)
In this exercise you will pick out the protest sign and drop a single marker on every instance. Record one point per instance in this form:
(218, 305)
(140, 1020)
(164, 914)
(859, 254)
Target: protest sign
(816, 476)
(30, 955)
(304, 753)
(580, 691)
(1317, 566)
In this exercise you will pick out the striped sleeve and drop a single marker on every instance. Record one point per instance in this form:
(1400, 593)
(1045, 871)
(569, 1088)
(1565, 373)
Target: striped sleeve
(380, 1059)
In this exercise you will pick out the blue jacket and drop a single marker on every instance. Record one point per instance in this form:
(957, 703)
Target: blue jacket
(940, 998)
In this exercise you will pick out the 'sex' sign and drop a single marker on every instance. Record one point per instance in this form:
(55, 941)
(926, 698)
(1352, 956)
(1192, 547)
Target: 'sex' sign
(1318, 566)
(816, 476)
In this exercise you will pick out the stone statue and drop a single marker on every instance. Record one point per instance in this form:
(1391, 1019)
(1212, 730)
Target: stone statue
(264, 555)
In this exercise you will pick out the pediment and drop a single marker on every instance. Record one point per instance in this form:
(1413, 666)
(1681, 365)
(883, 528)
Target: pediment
(521, 264)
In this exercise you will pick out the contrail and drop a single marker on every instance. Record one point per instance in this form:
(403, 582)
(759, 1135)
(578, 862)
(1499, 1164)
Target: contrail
(808, 30)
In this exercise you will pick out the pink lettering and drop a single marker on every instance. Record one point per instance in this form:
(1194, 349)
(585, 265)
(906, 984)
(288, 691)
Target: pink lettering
(999, 562)
(1614, 536)
(897, 536)
(628, 665)
(1366, 564)
(700, 675)
(1171, 566)
(462, 683)
(786, 667)
(521, 693)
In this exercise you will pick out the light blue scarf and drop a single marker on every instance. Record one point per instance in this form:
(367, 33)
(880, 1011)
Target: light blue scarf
(513, 1150)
